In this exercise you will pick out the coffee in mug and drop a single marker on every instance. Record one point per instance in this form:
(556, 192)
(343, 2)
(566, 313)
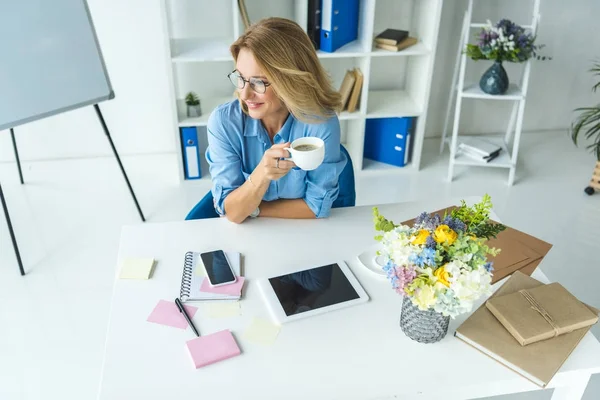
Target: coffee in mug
(305, 147)
(307, 152)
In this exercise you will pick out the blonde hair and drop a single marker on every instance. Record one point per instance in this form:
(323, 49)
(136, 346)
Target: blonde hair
(289, 61)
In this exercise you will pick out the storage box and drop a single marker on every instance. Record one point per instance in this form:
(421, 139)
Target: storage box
(387, 140)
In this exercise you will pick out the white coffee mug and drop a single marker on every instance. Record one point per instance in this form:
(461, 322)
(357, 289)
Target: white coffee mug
(307, 159)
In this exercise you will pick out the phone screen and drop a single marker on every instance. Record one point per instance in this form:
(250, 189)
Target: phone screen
(217, 267)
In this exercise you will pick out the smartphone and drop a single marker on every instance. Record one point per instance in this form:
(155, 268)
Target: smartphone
(217, 267)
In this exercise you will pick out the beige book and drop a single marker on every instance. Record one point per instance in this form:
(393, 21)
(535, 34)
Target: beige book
(410, 41)
(346, 87)
(537, 362)
(355, 96)
(541, 313)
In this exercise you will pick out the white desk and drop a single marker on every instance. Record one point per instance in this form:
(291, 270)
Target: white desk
(355, 353)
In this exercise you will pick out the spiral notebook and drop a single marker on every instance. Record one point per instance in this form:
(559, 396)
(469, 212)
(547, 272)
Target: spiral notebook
(192, 278)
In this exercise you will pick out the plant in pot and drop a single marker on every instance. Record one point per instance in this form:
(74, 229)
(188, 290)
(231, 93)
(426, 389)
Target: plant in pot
(505, 41)
(438, 264)
(587, 124)
(193, 105)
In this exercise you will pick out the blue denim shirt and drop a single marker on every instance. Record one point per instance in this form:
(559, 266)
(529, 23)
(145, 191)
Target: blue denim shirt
(237, 143)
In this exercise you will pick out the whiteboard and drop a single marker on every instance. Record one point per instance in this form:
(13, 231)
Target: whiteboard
(50, 60)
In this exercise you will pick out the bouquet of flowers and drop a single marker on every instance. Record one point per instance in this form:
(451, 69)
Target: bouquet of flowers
(505, 41)
(440, 263)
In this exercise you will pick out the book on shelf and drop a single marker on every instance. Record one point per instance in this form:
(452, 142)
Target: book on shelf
(410, 41)
(346, 87)
(313, 28)
(478, 156)
(391, 36)
(355, 95)
(480, 146)
(538, 362)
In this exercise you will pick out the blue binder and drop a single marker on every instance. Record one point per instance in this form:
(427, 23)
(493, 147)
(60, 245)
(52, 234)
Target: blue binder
(191, 154)
(387, 140)
(339, 23)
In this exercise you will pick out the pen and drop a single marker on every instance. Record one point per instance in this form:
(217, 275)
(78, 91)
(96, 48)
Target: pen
(187, 318)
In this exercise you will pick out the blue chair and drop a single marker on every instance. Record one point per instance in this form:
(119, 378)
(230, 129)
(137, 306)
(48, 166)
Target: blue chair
(346, 197)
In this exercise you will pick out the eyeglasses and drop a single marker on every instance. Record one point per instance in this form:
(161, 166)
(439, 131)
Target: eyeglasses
(256, 84)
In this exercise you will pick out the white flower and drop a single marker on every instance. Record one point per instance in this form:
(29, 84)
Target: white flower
(511, 37)
(493, 42)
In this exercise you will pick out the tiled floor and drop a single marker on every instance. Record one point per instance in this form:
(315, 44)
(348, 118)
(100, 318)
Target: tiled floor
(68, 217)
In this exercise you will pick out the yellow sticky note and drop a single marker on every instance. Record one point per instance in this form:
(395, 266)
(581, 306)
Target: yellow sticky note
(261, 331)
(223, 310)
(200, 270)
(137, 268)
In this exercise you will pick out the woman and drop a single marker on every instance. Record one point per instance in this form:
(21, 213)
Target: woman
(283, 94)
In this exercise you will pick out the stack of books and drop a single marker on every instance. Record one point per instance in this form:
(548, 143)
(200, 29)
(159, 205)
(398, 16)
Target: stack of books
(394, 40)
(350, 89)
(529, 327)
(479, 149)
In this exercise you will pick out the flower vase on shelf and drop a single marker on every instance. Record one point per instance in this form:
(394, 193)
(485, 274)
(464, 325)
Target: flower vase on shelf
(422, 326)
(494, 80)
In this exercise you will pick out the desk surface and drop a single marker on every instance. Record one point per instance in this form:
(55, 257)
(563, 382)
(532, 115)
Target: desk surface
(354, 353)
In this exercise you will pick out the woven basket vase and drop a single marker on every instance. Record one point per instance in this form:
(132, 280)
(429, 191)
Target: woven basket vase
(422, 326)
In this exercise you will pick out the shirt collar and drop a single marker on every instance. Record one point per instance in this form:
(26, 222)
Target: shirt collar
(252, 127)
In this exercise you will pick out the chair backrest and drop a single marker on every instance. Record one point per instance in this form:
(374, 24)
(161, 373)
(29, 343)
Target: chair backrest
(347, 194)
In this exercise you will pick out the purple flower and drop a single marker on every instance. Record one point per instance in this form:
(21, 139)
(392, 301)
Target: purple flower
(426, 221)
(430, 242)
(401, 277)
(489, 266)
(455, 224)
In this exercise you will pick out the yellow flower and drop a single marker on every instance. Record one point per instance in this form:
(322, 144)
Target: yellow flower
(442, 276)
(420, 237)
(443, 233)
(424, 298)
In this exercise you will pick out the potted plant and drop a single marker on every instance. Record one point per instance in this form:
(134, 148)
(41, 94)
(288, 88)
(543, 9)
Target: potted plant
(439, 265)
(193, 105)
(588, 123)
(505, 41)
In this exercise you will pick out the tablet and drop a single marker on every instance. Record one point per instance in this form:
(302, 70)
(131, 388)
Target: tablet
(308, 292)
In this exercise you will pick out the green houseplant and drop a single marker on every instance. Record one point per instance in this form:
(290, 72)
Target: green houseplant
(587, 124)
(193, 105)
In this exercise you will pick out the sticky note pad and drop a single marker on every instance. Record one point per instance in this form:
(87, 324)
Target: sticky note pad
(199, 271)
(223, 309)
(167, 313)
(261, 331)
(233, 289)
(209, 349)
(137, 268)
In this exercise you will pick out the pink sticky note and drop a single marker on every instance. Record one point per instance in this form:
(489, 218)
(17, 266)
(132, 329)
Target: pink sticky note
(232, 289)
(212, 348)
(167, 313)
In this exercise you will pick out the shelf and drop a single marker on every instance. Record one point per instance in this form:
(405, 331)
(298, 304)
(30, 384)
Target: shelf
(480, 25)
(352, 49)
(418, 49)
(196, 50)
(372, 167)
(502, 161)
(207, 105)
(391, 103)
(473, 91)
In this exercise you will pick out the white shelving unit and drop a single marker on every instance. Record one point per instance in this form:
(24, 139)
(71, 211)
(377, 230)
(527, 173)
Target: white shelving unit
(461, 90)
(396, 84)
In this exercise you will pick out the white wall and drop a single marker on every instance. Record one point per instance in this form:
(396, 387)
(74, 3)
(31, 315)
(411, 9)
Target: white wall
(556, 87)
(131, 36)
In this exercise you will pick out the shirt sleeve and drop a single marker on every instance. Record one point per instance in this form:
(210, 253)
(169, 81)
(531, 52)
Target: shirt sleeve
(224, 161)
(322, 183)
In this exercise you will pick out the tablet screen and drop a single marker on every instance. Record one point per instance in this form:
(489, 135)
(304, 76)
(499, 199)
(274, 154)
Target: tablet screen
(312, 289)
